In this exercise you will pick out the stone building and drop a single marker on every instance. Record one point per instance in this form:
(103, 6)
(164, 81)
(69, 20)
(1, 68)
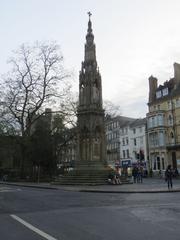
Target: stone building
(126, 142)
(138, 142)
(163, 122)
(113, 137)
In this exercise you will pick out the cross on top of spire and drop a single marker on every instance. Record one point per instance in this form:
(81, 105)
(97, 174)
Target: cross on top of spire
(89, 23)
(89, 13)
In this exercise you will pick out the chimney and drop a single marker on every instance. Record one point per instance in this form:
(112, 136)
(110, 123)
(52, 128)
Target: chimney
(152, 88)
(177, 74)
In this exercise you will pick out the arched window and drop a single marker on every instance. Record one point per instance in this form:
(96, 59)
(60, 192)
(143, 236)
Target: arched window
(172, 135)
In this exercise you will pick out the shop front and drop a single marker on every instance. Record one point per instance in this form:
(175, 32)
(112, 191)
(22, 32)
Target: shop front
(126, 168)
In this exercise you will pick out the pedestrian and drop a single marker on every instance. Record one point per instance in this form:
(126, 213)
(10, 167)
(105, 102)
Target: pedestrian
(168, 176)
(160, 173)
(117, 179)
(176, 173)
(134, 174)
(140, 174)
(111, 178)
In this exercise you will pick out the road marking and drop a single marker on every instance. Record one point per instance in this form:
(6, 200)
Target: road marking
(7, 189)
(36, 230)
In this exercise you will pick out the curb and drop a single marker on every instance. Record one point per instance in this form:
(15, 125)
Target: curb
(130, 191)
(30, 186)
(90, 190)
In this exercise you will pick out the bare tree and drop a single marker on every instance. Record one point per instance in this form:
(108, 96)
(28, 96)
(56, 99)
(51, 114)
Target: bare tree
(111, 110)
(69, 109)
(37, 80)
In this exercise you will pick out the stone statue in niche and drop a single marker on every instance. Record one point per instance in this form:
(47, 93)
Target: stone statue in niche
(95, 95)
(82, 94)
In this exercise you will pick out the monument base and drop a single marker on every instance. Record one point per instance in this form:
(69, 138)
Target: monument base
(86, 173)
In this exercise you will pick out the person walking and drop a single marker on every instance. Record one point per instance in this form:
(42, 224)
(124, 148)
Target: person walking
(135, 174)
(168, 176)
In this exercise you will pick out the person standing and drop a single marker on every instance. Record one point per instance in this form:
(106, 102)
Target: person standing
(135, 174)
(168, 176)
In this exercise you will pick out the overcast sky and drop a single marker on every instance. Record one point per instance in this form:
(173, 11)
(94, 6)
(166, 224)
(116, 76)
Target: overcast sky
(134, 39)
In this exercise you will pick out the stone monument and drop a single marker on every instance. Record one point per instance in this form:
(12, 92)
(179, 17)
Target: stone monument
(91, 131)
(90, 165)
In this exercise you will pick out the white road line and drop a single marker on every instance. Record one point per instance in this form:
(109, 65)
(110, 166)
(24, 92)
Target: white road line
(6, 189)
(36, 230)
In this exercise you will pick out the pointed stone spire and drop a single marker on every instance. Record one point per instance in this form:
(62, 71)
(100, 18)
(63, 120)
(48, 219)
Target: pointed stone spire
(89, 23)
(90, 88)
(90, 49)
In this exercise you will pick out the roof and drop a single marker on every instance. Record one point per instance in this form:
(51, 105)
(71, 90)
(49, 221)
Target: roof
(123, 121)
(138, 122)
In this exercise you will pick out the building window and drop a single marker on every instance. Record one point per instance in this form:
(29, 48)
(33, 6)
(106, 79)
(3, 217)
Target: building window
(150, 123)
(134, 130)
(135, 142)
(153, 139)
(165, 92)
(154, 167)
(153, 122)
(127, 152)
(177, 103)
(161, 138)
(158, 163)
(158, 94)
(163, 165)
(141, 141)
(160, 120)
(127, 141)
(124, 153)
(172, 141)
(169, 105)
(114, 135)
(170, 120)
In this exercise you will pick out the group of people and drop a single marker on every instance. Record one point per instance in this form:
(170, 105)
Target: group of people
(137, 173)
(114, 178)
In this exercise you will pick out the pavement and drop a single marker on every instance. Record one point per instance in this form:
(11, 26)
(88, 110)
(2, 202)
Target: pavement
(149, 185)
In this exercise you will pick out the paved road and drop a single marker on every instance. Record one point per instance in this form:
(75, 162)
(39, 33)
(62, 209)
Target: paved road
(30, 214)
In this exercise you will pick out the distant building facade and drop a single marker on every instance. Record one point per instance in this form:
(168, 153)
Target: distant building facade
(66, 150)
(163, 122)
(138, 142)
(126, 141)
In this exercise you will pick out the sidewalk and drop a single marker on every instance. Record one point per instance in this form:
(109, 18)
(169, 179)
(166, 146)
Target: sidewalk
(149, 185)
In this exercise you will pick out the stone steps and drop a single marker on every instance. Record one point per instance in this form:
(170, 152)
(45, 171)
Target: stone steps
(86, 180)
(84, 177)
